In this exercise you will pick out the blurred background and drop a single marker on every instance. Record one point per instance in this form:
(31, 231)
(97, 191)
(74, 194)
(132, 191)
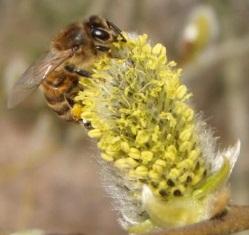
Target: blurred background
(49, 178)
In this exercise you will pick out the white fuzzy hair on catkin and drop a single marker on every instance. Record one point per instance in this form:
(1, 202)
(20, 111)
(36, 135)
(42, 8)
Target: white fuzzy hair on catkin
(120, 191)
(212, 155)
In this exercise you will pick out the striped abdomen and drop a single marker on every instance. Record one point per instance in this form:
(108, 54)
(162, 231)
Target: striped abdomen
(59, 88)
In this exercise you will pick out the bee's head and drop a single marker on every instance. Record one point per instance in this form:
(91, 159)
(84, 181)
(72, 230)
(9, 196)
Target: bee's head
(103, 32)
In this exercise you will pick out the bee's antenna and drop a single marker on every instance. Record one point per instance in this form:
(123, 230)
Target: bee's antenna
(116, 29)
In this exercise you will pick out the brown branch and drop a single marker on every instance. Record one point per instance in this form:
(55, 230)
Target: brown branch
(230, 49)
(235, 220)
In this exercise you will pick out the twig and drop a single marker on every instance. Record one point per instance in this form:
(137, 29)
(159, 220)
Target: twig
(235, 220)
(232, 48)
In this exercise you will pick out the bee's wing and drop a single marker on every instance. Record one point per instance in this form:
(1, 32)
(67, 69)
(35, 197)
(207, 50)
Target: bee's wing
(34, 75)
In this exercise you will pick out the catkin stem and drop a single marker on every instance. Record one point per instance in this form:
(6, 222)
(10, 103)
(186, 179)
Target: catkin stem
(235, 220)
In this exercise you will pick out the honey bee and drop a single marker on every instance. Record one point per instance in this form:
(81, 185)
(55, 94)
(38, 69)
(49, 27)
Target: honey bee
(57, 73)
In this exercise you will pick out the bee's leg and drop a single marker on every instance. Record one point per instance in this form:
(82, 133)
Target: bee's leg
(86, 124)
(68, 102)
(102, 48)
(82, 72)
(73, 69)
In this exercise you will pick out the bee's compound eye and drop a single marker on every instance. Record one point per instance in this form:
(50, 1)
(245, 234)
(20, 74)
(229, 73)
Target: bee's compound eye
(100, 34)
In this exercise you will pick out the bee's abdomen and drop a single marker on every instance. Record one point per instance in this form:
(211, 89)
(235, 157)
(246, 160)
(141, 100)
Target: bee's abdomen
(59, 89)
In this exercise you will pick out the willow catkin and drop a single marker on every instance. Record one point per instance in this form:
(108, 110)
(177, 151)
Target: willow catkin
(161, 160)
